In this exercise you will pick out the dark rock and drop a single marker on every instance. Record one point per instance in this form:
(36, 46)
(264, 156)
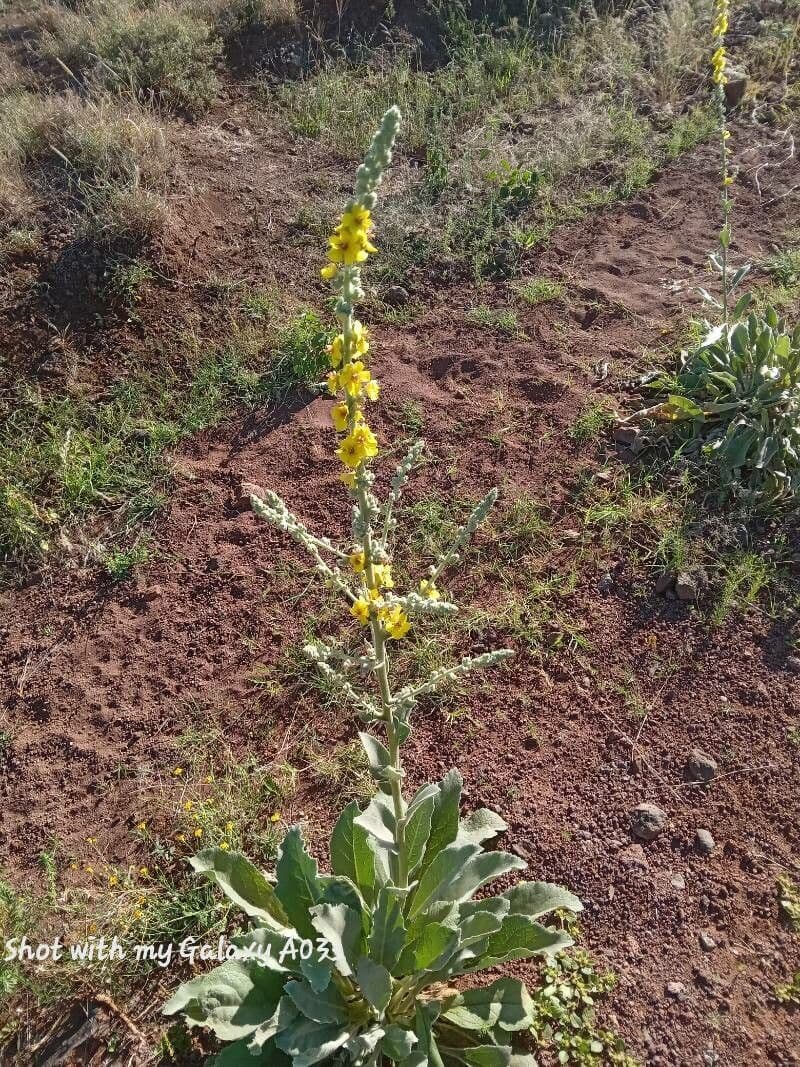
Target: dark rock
(626, 435)
(396, 296)
(647, 821)
(735, 87)
(664, 582)
(605, 583)
(704, 842)
(686, 588)
(700, 767)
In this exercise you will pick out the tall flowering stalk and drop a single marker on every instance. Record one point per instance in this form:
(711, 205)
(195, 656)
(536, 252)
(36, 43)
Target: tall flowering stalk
(384, 935)
(364, 574)
(719, 77)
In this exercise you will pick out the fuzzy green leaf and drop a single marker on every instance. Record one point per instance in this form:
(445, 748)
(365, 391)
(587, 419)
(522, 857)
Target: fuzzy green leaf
(233, 1000)
(444, 820)
(242, 883)
(434, 946)
(458, 872)
(298, 886)
(351, 856)
(341, 927)
(388, 935)
(418, 830)
(398, 1042)
(481, 825)
(308, 1042)
(518, 938)
(325, 1007)
(479, 1055)
(239, 1054)
(505, 1003)
(375, 982)
(535, 899)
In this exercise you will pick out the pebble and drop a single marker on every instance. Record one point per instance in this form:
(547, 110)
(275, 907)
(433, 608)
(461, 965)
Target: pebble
(626, 435)
(664, 582)
(633, 856)
(704, 842)
(793, 664)
(707, 942)
(676, 990)
(677, 881)
(647, 821)
(700, 767)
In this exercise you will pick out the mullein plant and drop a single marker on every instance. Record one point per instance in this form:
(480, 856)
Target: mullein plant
(387, 934)
(734, 401)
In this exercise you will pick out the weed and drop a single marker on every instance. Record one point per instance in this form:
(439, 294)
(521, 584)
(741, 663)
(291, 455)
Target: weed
(591, 423)
(745, 575)
(784, 267)
(119, 564)
(157, 53)
(299, 355)
(789, 901)
(503, 320)
(535, 291)
(564, 1013)
(790, 993)
(127, 281)
(258, 305)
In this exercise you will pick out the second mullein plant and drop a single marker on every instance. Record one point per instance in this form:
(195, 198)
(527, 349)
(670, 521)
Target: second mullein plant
(397, 922)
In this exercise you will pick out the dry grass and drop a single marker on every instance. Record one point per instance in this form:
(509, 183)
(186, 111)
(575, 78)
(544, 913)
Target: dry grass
(101, 161)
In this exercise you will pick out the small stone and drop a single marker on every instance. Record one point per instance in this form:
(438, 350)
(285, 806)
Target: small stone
(686, 587)
(793, 664)
(647, 821)
(396, 296)
(735, 87)
(664, 582)
(677, 881)
(676, 990)
(707, 942)
(704, 842)
(605, 583)
(626, 435)
(700, 767)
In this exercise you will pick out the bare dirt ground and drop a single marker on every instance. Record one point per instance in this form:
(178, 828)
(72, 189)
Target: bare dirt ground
(100, 681)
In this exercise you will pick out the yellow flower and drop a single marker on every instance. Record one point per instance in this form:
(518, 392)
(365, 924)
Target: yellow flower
(360, 610)
(352, 378)
(229, 825)
(359, 343)
(428, 589)
(371, 390)
(177, 772)
(89, 869)
(396, 622)
(349, 478)
(144, 872)
(340, 417)
(357, 217)
(333, 382)
(112, 879)
(91, 840)
(275, 816)
(349, 246)
(198, 832)
(141, 826)
(383, 575)
(138, 913)
(336, 350)
(366, 439)
(359, 445)
(728, 180)
(224, 846)
(349, 452)
(329, 271)
(73, 866)
(188, 805)
(180, 837)
(356, 560)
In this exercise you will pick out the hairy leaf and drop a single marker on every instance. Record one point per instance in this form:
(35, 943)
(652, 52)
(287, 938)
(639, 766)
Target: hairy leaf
(233, 1000)
(298, 886)
(351, 856)
(375, 982)
(341, 927)
(242, 883)
(388, 934)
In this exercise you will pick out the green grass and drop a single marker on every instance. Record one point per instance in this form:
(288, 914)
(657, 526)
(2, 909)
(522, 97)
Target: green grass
(157, 53)
(744, 576)
(592, 422)
(500, 320)
(540, 290)
(120, 564)
(65, 458)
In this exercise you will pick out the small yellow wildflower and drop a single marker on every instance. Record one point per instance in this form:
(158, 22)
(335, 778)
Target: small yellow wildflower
(229, 825)
(138, 913)
(371, 390)
(112, 879)
(177, 772)
(180, 837)
(91, 840)
(275, 816)
(224, 846)
(188, 805)
(357, 217)
(73, 866)
(396, 622)
(727, 180)
(329, 271)
(144, 872)
(359, 338)
(333, 382)
(198, 832)
(360, 610)
(336, 350)
(428, 589)
(383, 575)
(356, 561)
(348, 478)
(353, 378)
(340, 417)
(366, 439)
(141, 826)
(89, 869)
